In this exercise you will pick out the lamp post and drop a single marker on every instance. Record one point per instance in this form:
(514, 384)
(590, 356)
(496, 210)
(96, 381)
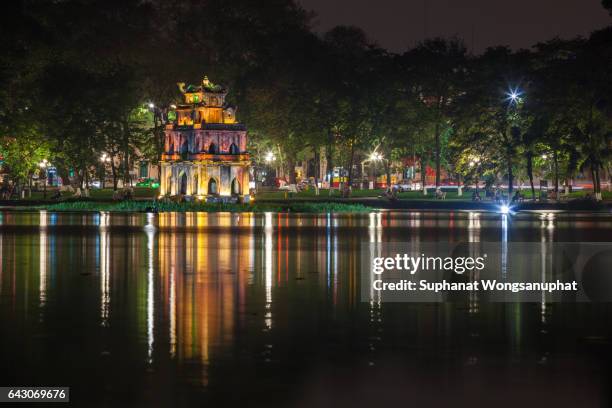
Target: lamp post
(104, 159)
(475, 163)
(43, 166)
(269, 158)
(374, 158)
(552, 171)
(514, 96)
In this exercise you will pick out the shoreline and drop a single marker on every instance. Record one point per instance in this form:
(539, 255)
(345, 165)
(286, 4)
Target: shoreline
(152, 206)
(403, 204)
(303, 205)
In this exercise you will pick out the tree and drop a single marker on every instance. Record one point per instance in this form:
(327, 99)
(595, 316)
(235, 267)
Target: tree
(23, 153)
(363, 95)
(438, 68)
(572, 94)
(491, 113)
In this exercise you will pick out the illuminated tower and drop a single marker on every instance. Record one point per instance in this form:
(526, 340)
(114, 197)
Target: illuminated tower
(205, 148)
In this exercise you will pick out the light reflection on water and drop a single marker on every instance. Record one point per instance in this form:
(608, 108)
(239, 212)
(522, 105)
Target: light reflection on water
(208, 299)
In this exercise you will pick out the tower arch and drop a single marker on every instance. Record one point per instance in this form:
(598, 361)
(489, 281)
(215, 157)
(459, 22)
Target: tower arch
(213, 186)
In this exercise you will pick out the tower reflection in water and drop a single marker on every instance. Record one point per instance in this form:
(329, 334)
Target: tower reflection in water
(202, 280)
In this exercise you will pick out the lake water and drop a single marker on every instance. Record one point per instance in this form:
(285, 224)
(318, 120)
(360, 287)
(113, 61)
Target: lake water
(265, 310)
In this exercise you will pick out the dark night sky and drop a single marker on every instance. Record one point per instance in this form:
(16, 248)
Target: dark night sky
(399, 24)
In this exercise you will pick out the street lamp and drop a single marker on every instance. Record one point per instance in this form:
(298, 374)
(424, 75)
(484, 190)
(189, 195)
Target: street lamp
(375, 156)
(43, 165)
(104, 159)
(269, 158)
(551, 173)
(474, 164)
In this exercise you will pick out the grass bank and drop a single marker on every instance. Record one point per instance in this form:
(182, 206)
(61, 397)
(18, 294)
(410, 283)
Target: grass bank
(159, 206)
(94, 194)
(144, 193)
(408, 195)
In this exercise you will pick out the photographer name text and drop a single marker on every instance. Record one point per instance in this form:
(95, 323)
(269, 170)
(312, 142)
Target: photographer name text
(405, 263)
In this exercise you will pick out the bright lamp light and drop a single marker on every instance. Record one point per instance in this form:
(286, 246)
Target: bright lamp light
(514, 95)
(270, 157)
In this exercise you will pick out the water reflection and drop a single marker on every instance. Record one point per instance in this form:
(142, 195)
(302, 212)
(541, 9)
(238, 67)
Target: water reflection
(202, 295)
(268, 228)
(104, 261)
(150, 231)
(43, 261)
